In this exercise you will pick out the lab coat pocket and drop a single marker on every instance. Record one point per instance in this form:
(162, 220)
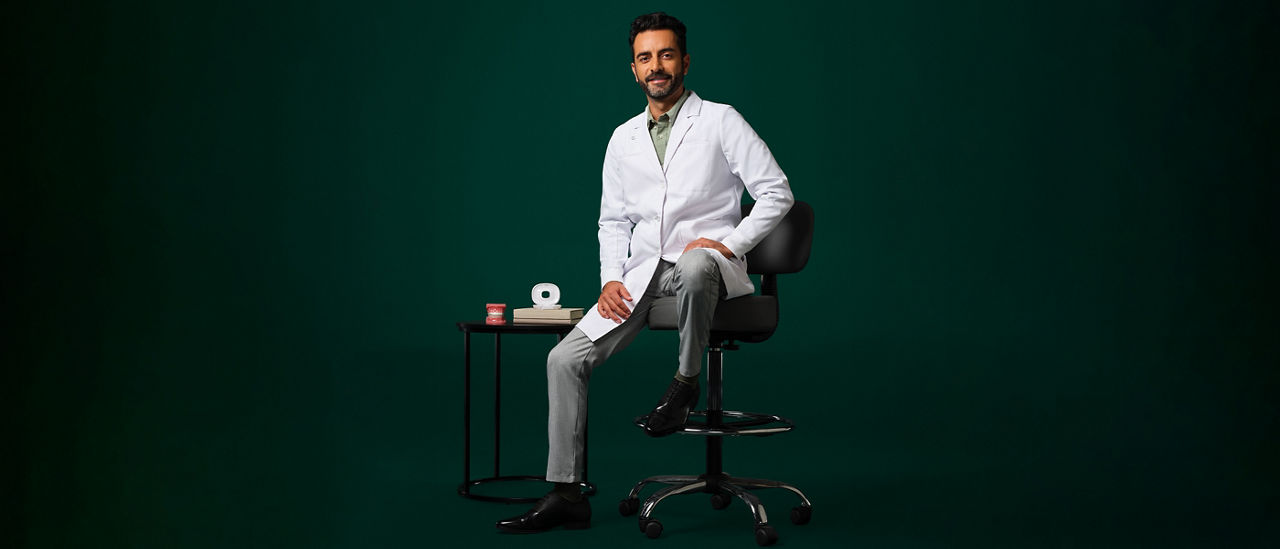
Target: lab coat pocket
(695, 168)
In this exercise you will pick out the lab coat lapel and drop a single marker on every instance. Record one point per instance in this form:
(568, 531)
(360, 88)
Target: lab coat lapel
(688, 113)
(640, 134)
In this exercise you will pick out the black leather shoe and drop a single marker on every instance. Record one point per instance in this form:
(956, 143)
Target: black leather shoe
(552, 511)
(673, 410)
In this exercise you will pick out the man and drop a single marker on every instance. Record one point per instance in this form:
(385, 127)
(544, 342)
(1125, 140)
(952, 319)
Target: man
(670, 224)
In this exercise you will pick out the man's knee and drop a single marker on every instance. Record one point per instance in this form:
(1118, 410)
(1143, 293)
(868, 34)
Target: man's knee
(697, 270)
(564, 360)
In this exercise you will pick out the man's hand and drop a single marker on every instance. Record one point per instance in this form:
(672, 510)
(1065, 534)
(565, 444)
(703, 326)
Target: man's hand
(614, 302)
(708, 243)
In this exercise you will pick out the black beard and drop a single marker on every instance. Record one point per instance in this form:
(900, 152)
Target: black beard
(677, 80)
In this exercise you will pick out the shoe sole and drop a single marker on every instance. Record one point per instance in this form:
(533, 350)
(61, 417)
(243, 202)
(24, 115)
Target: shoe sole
(658, 434)
(566, 526)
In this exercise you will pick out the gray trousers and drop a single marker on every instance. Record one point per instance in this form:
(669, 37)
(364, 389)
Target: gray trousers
(696, 282)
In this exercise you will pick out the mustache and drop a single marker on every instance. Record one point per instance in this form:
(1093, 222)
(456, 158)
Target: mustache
(656, 76)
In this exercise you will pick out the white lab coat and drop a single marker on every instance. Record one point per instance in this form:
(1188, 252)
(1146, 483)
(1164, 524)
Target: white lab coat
(651, 211)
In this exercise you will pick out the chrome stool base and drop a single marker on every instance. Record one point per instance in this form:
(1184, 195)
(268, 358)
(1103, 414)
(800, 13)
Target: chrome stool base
(715, 424)
(723, 488)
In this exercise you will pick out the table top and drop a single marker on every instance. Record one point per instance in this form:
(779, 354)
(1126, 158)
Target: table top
(510, 328)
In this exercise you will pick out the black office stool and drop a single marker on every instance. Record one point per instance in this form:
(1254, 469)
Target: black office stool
(749, 319)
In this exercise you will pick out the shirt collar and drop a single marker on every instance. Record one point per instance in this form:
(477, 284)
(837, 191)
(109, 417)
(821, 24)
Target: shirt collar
(670, 114)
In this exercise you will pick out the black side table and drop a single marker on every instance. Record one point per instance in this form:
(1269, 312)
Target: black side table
(468, 328)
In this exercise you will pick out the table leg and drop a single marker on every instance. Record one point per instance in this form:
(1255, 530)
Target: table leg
(465, 489)
(466, 413)
(497, 400)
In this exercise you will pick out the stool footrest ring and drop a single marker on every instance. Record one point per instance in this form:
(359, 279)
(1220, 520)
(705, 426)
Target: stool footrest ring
(731, 424)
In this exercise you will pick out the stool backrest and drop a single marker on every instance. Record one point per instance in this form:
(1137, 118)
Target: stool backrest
(786, 248)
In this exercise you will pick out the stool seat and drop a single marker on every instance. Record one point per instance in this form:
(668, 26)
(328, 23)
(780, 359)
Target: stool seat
(746, 316)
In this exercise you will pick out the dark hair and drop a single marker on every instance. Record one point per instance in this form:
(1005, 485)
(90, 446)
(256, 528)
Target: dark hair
(658, 21)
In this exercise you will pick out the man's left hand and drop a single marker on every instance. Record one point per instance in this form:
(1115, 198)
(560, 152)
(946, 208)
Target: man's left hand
(708, 243)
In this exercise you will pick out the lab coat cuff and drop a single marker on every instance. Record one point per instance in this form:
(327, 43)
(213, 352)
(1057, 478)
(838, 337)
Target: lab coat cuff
(610, 275)
(736, 246)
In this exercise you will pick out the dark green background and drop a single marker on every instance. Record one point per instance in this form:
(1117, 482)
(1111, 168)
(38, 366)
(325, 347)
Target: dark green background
(1040, 312)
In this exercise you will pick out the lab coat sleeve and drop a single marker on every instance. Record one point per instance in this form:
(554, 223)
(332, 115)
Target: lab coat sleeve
(615, 226)
(749, 159)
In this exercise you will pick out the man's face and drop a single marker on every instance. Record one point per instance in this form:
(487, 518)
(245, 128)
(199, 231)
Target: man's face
(658, 64)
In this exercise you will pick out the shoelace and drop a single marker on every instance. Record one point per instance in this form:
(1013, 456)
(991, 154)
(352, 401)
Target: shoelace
(672, 389)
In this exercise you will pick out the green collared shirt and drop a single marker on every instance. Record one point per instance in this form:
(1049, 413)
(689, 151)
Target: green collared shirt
(660, 129)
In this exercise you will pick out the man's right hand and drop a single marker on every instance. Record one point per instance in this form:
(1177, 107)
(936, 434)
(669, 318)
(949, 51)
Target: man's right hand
(614, 302)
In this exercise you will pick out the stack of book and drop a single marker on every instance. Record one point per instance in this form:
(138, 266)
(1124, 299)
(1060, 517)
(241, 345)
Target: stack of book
(530, 315)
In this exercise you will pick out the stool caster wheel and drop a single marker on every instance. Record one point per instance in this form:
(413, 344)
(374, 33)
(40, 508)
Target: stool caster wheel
(629, 506)
(801, 514)
(720, 501)
(651, 528)
(766, 535)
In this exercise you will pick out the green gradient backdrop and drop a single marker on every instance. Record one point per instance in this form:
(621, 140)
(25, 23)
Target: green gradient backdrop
(1041, 309)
